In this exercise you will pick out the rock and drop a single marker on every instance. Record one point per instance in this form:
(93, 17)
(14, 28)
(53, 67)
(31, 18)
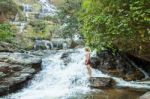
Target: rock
(145, 96)
(65, 57)
(42, 53)
(142, 61)
(116, 65)
(19, 58)
(16, 69)
(6, 47)
(101, 82)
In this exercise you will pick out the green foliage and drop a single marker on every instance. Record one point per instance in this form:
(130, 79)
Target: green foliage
(50, 18)
(68, 16)
(8, 8)
(123, 23)
(38, 26)
(6, 32)
(42, 29)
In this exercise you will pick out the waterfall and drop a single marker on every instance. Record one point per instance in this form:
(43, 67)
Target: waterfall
(26, 10)
(16, 17)
(22, 26)
(64, 81)
(65, 46)
(52, 46)
(57, 80)
(47, 9)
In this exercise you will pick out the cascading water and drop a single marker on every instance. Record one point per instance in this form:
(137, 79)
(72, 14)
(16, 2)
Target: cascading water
(25, 10)
(22, 26)
(47, 8)
(57, 80)
(64, 81)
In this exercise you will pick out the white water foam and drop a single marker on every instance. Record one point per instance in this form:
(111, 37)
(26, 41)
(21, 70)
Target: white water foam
(59, 81)
(48, 8)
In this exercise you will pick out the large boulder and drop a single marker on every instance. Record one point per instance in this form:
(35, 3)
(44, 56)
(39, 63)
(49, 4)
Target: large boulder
(101, 82)
(118, 65)
(19, 58)
(16, 69)
(142, 61)
(145, 96)
(7, 47)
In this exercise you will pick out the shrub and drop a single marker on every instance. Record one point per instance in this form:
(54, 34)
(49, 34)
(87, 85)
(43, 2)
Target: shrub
(38, 26)
(8, 9)
(123, 23)
(6, 32)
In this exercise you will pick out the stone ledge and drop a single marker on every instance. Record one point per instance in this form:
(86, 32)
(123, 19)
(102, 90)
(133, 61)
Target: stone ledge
(101, 82)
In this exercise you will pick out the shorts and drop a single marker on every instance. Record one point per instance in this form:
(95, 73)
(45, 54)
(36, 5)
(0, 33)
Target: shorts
(87, 62)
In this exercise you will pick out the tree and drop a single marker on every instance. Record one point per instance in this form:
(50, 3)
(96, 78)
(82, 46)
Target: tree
(68, 16)
(121, 23)
(7, 9)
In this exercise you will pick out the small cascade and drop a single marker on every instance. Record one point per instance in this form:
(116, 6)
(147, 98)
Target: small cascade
(65, 81)
(42, 44)
(52, 46)
(26, 9)
(19, 25)
(77, 37)
(65, 46)
(47, 9)
(16, 17)
(22, 26)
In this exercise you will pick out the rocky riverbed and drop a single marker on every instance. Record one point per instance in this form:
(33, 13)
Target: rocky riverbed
(128, 67)
(120, 65)
(16, 69)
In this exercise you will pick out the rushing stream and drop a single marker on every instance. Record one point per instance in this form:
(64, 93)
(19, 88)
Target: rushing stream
(57, 80)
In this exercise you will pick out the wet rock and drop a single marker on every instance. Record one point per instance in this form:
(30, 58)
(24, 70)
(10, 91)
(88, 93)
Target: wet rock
(142, 61)
(145, 96)
(42, 53)
(16, 69)
(116, 65)
(101, 82)
(65, 57)
(19, 58)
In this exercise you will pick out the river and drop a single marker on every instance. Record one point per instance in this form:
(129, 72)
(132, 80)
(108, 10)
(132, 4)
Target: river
(61, 79)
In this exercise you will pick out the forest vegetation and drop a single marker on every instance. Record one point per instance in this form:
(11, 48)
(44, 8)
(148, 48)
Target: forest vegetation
(115, 24)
